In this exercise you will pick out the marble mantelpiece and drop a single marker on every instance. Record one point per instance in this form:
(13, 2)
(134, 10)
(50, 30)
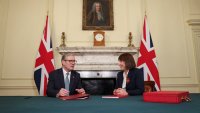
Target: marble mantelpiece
(97, 58)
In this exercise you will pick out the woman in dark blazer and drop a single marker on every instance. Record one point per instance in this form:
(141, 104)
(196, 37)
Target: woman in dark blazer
(130, 81)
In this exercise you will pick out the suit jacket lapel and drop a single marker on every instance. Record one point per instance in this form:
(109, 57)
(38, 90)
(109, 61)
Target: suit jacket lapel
(121, 80)
(71, 84)
(130, 75)
(61, 78)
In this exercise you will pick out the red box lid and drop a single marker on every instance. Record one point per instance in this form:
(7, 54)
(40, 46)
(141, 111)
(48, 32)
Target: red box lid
(169, 93)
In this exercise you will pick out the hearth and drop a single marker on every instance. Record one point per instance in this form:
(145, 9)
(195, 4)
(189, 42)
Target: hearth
(98, 82)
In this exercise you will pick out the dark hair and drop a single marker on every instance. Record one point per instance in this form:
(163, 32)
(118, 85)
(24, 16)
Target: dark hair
(128, 60)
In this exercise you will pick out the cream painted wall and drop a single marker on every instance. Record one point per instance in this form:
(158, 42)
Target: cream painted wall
(22, 22)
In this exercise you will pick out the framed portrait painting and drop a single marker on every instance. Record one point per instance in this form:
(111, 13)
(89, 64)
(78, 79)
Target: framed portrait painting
(98, 15)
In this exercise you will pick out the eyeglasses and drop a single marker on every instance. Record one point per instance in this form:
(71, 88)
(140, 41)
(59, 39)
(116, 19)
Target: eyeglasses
(71, 61)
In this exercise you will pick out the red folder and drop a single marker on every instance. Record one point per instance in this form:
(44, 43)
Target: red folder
(166, 96)
(74, 97)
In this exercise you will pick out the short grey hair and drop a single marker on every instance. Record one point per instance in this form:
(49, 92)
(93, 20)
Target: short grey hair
(66, 55)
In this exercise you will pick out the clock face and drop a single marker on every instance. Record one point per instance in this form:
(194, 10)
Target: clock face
(99, 37)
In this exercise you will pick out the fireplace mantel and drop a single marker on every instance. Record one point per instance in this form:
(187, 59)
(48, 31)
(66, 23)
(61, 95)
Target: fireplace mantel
(100, 50)
(97, 58)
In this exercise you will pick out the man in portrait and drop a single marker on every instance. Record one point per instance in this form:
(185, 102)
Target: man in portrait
(96, 16)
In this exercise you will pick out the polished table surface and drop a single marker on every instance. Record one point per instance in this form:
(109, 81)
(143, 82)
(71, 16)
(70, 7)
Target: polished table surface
(95, 104)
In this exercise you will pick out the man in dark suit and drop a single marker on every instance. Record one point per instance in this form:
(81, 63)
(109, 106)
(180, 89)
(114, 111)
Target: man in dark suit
(65, 81)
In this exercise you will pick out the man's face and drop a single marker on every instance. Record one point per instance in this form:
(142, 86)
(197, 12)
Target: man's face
(122, 65)
(68, 63)
(98, 6)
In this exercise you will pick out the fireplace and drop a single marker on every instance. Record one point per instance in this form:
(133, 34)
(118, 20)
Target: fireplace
(98, 66)
(97, 82)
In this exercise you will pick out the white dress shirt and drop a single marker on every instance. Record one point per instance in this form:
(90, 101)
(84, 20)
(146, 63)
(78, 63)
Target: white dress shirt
(65, 74)
(124, 80)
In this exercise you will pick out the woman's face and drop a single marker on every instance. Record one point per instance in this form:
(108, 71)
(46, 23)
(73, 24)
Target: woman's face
(122, 65)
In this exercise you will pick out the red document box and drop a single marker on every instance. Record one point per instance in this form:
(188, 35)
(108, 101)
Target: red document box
(74, 97)
(166, 96)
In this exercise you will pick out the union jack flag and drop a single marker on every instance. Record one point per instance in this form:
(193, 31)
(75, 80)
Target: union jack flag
(44, 63)
(147, 57)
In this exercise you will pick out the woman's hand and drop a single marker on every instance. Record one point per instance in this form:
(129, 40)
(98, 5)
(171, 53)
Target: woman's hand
(120, 92)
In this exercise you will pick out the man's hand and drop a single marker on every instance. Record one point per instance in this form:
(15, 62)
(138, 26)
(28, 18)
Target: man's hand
(120, 92)
(80, 91)
(63, 92)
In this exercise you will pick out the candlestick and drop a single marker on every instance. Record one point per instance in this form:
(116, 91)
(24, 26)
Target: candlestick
(63, 40)
(130, 40)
